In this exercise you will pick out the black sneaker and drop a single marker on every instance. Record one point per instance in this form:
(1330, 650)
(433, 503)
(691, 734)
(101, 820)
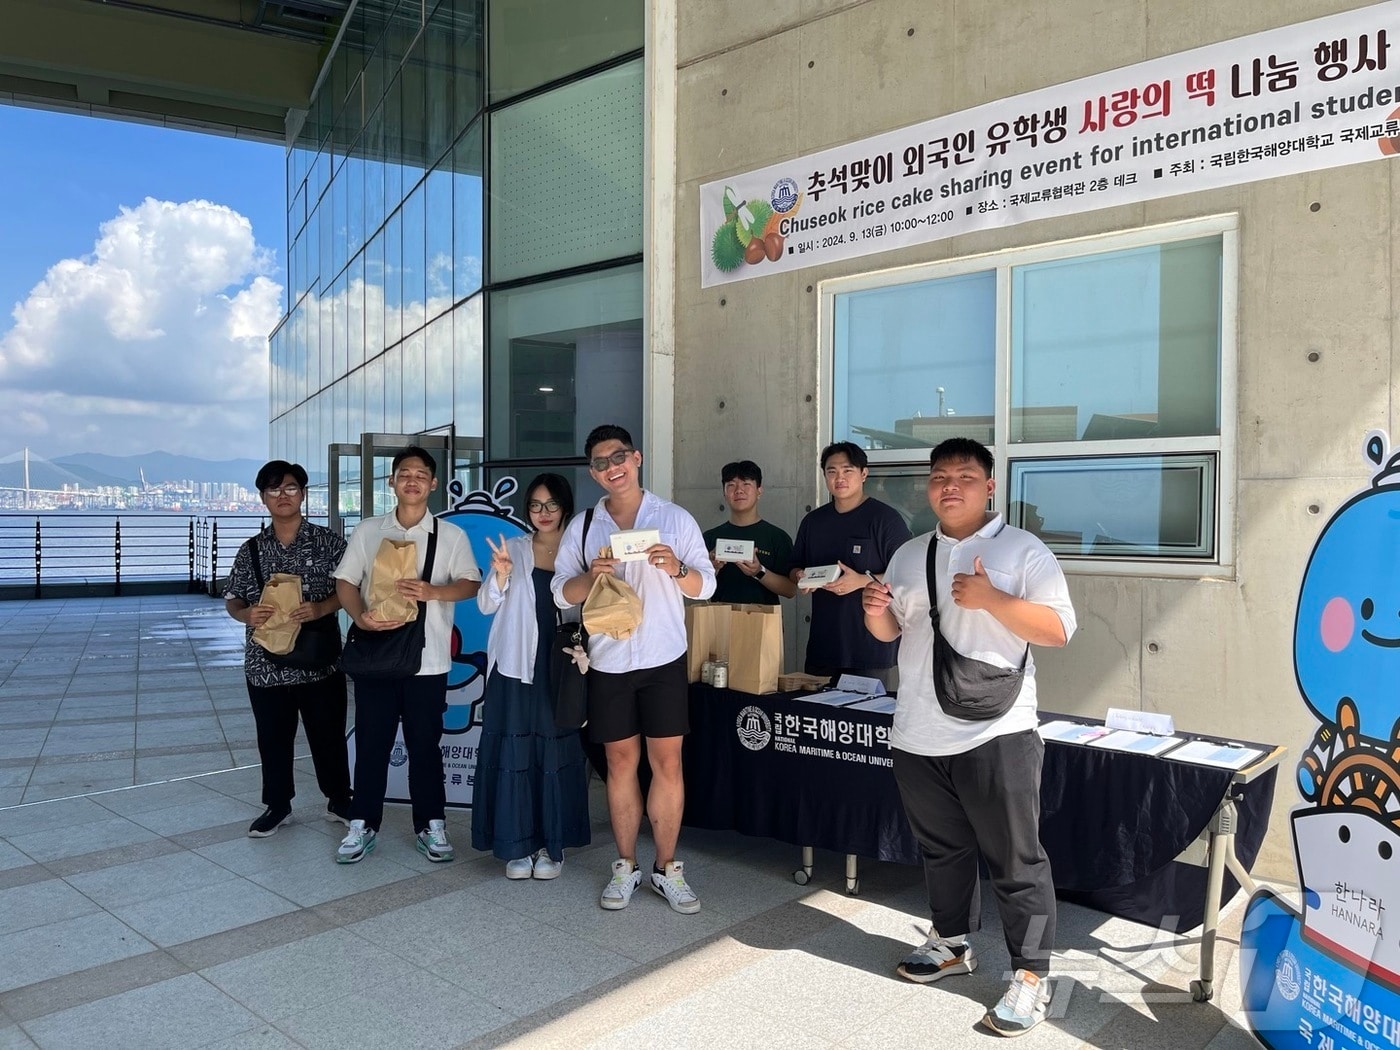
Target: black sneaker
(339, 811)
(269, 822)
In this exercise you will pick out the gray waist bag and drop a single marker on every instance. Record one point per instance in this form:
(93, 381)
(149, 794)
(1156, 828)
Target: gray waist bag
(967, 688)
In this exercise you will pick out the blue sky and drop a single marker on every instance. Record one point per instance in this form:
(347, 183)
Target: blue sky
(61, 178)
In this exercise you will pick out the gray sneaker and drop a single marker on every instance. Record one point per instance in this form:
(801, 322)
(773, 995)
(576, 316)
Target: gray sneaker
(433, 844)
(671, 884)
(355, 845)
(1025, 1004)
(626, 877)
(936, 958)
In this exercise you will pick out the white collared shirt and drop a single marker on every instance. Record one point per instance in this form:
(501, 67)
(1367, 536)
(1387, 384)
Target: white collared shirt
(661, 637)
(452, 562)
(1017, 563)
(515, 631)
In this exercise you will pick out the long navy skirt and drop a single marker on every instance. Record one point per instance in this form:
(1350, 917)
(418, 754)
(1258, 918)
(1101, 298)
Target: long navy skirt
(531, 789)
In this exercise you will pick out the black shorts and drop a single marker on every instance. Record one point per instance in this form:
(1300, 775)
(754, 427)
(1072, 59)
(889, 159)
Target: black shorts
(652, 702)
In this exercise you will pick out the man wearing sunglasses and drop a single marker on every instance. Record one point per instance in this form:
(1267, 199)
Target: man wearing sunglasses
(637, 686)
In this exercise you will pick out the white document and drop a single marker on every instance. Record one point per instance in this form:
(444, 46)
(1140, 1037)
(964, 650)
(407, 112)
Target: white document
(855, 683)
(833, 697)
(1137, 743)
(819, 576)
(632, 544)
(1067, 732)
(882, 704)
(1153, 722)
(1209, 753)
(733, 550)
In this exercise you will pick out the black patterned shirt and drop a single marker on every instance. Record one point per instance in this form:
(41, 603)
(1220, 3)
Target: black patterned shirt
(312, 555)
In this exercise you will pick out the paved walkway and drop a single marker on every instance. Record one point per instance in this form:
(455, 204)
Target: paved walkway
(134, 911)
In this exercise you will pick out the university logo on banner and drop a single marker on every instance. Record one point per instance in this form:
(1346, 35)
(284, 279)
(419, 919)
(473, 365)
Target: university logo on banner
(1329, 976)
(1319, 94)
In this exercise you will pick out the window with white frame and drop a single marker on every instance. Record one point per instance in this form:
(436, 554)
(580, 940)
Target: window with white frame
(1099, 372)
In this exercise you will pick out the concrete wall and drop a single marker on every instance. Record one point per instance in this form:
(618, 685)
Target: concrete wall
(758, 83)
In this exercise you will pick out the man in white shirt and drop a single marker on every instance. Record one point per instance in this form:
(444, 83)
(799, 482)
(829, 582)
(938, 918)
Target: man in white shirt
(418, 701)
(637, 685)
(971, 785)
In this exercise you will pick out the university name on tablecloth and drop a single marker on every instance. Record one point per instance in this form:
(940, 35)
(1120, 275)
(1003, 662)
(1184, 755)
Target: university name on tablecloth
(1304, 97)
(814, 736)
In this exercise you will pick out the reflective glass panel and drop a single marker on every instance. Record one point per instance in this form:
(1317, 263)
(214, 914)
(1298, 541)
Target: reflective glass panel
(467, 372)
(466, 214)
(1125, 506)
(566, 170)
(915, 363)
(536, 41)
(566, 355)
(1118, 345)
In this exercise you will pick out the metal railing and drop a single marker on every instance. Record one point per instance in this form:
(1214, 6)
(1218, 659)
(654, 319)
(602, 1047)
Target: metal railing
(47, 554)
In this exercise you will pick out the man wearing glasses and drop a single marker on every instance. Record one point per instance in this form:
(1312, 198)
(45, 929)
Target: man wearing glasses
(762, 579)
(637, 686)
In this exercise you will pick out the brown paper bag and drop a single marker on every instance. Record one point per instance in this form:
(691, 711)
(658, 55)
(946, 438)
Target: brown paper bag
(282, 591)
(706, 633)
(394, 561)
(612, 608)
(755, 648)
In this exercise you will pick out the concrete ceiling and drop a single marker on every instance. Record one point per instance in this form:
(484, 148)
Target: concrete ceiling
(234, 67)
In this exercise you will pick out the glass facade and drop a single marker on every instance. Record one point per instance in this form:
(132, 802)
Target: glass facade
(399, 274)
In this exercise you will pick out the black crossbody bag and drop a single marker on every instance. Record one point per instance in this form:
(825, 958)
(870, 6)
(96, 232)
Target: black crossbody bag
(317, 646)
(568, 684)
(391, 654)
(967, 688)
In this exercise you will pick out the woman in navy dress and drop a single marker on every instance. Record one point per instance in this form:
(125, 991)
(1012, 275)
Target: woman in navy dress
(530, 799)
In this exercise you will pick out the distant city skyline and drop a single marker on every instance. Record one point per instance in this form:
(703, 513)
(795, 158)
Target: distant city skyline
(141, 278)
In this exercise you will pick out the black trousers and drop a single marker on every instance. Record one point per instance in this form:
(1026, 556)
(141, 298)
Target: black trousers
(380, 705)
(985, 800)
(321, 706)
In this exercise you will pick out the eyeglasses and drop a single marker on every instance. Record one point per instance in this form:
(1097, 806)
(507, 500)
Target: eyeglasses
(600, 463)
(549, 506)
(285, 490)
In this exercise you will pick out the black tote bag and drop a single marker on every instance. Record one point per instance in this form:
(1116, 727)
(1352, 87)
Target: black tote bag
(390, 654)
(568, 684)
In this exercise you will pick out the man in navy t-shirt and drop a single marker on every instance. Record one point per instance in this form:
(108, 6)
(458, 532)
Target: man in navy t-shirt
(860, 534)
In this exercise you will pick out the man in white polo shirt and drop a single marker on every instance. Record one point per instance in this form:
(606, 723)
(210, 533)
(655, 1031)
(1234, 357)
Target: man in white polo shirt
(637, 685)
(969, 775)
(420, 700)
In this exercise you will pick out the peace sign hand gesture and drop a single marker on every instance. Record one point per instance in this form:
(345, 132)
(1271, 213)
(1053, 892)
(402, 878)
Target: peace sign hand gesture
(500, 560)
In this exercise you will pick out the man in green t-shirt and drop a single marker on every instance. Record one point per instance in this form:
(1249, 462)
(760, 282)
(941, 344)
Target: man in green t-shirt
(763, 579)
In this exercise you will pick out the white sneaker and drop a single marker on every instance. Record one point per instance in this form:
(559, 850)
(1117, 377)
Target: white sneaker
(433, 844)
(546, 867)
(626, 877)
(355, 845)
(673, 887)
(520, 868)
(1025, 1004)
(936, 958)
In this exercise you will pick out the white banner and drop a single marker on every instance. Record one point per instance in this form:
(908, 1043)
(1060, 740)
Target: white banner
(1315, 95)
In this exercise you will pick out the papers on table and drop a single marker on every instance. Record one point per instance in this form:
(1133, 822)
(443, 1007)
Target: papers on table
(1211, 753)
(882, 704)
(855, 683)
(1138, 743)
(835, 697)
(1072, 732)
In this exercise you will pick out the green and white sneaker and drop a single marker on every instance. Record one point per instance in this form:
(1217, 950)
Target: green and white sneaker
(433, 844)
(355, 845)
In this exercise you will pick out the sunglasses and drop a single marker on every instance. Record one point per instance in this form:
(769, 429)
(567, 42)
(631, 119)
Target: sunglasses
(285, 490)
(600, 463)
(549, 506)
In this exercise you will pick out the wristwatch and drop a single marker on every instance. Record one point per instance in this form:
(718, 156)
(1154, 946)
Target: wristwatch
(762, 572)
(681, 572)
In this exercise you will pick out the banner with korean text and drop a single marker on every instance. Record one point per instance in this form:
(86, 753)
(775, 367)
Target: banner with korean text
(1314, 95)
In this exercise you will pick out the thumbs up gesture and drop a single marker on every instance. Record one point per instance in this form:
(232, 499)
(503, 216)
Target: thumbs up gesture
(974, 590)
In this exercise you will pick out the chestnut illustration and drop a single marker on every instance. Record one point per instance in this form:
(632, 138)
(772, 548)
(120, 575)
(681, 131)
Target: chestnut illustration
(754, 252)
(773, 246)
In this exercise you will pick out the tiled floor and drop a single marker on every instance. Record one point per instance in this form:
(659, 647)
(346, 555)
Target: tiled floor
(143, 916)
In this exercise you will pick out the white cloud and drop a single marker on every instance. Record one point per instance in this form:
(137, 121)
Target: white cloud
(157, 339)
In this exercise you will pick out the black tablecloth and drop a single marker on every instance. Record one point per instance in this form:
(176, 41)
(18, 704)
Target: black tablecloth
(816, 775)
